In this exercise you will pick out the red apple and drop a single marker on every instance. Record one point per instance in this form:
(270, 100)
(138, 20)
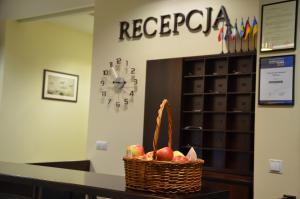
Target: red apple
(135, 150)
(180, 159)
(164, 154)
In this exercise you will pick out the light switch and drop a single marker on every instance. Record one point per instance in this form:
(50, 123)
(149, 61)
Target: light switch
(275, 166)
(101, 145)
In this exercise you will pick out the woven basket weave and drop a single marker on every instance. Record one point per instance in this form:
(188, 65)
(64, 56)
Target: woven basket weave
(163, 176)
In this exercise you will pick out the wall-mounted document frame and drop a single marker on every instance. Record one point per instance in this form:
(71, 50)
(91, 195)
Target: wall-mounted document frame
(276, 80)
(279, 26)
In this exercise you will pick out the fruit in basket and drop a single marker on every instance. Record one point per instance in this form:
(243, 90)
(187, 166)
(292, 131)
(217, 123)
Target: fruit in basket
(180, 159)
(135, 150)
(177, 153)
(149, 156)
(164, 154)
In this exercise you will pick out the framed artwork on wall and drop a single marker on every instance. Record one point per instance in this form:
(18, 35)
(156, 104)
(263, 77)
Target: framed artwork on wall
(276, 80)
(279, 26)
(60, 86)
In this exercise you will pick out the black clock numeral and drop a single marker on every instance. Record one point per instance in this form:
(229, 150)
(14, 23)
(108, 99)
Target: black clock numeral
(102, 82)
(126, 101)
(126, 62)
(111, 64)
(135, 81)
(131, 93)
(118, 104)
(132, 71)
(119, 60)
(105, 72)
(103, 93)
(109, 101)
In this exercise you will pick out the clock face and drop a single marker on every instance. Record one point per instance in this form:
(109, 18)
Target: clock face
(118, 84)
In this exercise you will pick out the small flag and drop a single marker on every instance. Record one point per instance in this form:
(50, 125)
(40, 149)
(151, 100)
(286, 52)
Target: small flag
(247, 29)
(254, 27)
(220, 34)
(242, 32)
(235, 31)
(228, 32)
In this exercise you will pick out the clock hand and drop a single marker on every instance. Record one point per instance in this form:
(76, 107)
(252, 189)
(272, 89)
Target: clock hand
(114, 71)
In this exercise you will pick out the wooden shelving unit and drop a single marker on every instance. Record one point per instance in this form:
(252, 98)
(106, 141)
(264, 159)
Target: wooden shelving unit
(214, 110)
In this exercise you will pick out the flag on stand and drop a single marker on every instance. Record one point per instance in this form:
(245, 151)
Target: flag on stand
(254, 27)
(242, 32)
(235, 31)
(247, 29)
(228, 32)
(220, 34)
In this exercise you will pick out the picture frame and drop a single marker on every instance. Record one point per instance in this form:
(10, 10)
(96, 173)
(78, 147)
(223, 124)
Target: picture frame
(279, 26)
(276, 80)
(60, 86)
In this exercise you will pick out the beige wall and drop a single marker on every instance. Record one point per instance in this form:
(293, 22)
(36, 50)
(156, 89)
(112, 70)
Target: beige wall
(277, 135)
(32, 129)
(126, 127)
(2, 34)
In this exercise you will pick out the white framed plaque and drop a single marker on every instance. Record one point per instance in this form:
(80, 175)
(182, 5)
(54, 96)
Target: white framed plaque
(276, 80)
(279, 26)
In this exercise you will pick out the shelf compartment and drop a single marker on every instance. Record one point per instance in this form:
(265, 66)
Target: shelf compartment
(194, 68)
(193, 103)
(241, 142)
(214, 158)
(215, 84)
(239, 162)
(215, 103)
(192, 138)
(214, 140)
(240, 122)
(238, 65)
(215, 121)
(241, 83)
(194, 85)
(242, 102)
(193, 120)
(216, 66)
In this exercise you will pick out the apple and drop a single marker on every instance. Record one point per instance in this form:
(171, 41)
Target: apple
(180, 159)
(164, 154)
(177, 153)
(135, 150)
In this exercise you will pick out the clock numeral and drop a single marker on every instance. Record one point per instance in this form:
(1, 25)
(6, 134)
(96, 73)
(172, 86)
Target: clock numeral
(105, 72)
(102, 82)
(111, 64)
(103, 93)
(132, 71)
(109, 101)
(119, 60)
(126, 101)
(126, 62)
(118, 104)
(135, 81)
(131, 93)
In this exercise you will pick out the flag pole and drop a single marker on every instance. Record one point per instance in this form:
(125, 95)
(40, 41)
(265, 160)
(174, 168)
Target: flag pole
(248, 42)
(241, 38)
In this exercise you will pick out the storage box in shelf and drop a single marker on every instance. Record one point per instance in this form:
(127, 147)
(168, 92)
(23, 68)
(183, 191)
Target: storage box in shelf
(163, 176)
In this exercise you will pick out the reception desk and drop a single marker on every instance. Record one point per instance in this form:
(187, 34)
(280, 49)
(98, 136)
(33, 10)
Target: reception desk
(89, 183)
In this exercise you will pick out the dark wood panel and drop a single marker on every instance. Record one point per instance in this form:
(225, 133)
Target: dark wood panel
(163, 81)
(81, 165)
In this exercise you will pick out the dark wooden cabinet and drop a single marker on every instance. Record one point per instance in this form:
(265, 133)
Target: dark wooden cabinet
(214, 103)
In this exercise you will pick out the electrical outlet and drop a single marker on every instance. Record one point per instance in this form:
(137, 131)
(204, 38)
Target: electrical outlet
(101, 145)
(275, 166)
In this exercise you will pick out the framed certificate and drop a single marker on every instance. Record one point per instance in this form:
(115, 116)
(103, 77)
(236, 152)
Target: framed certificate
(279, 26)
(276, 80)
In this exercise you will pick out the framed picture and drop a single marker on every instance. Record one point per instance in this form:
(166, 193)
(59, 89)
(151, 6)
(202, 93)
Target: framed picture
(279, 26)
(276, 80)
(60, 86)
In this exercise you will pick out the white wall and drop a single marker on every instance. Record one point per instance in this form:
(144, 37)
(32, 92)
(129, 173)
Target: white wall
(126, 127)
(277, 136)
(33, 129)
(16, 9)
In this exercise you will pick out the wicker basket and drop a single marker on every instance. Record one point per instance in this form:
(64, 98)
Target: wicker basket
(163, 176)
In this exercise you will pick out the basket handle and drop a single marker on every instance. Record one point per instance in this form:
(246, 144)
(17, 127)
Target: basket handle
(163, 105)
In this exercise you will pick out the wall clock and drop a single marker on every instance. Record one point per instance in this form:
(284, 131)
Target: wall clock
(118, 84)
